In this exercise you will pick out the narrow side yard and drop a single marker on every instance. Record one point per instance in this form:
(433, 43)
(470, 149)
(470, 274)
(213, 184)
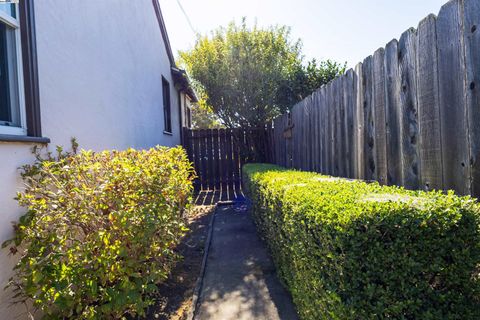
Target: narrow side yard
(240, 279)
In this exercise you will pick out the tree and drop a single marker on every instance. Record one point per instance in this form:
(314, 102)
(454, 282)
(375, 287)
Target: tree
(203, 117)
(306, 79)
(249, 76)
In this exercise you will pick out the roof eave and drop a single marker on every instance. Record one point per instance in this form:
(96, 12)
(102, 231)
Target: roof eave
(163, 30)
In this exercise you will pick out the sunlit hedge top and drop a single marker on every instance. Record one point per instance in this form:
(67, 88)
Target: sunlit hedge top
(354, 250)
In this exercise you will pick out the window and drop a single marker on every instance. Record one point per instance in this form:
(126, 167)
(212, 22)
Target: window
(12, 102)
(167, 112)
(189, 117)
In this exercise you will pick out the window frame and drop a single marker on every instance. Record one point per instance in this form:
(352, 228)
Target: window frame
(15, 23)
(167, 107)
(31, 92)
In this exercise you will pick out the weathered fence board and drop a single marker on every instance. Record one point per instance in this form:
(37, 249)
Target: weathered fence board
(408, 115)
(368, 120)
(341, 134)
(393, 115)
(451, 73)
(472, 45)
(358, 129)
(408, 106)
(349, 102)
(428, 106)
(323, 130)
(331, 128)
(378, 101)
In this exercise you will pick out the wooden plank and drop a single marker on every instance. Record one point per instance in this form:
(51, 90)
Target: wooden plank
(305, 152)
(472, 47)
(312, 137)
(229, 158)
(305, 134)
(292, 146)
(268, 148)
(288, 142)
(223, 158)
(408, 103)
(340, 127)
(277, 124)
(321, 125)
(194, 158)
(210, 160)
(205, 162)
(348, 96)
(216, 159)
(244, 139)
(316, 126)
(311, 134)
(203, 159)
(236, 159)
(195, 144)
(198, 156)
(330, 129)
(297, 134)
(378, 100)
(393, 115)
(368, 119)
(281, 143)
(358, 128)
(336, 142)
(453, 109)
(430, 151)
(334, 136)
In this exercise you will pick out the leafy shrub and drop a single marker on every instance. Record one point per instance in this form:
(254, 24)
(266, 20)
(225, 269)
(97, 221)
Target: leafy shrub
(100, 230)
(352, 250)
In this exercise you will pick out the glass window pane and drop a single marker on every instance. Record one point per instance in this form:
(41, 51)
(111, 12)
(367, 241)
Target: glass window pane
(9, 9)
(9, 99)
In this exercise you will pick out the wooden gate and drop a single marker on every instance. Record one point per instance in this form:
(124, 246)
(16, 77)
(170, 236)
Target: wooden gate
(219, 154)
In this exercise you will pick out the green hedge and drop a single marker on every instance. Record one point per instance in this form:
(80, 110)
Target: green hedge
(351, 250)
(100, 231)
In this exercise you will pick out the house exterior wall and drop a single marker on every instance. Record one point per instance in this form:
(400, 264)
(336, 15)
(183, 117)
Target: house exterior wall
(101, 65)
(100, 75)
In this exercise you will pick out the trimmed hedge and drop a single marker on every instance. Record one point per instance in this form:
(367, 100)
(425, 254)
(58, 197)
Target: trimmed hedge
(100, 231)
(351, 250)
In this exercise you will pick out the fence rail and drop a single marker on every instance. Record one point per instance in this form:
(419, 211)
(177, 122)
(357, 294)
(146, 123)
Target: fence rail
(408, 115)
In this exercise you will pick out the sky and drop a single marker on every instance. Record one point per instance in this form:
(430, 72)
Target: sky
(340, 30)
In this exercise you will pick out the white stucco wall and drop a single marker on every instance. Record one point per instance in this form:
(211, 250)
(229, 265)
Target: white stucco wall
(101, 65)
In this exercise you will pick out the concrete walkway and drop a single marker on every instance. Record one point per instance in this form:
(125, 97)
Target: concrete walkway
(240, 280)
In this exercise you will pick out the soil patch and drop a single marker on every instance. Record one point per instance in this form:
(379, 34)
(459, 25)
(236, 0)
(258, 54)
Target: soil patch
(175, 294)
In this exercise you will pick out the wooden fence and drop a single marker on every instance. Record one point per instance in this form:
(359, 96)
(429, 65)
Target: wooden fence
(408, 115)
(219, 154)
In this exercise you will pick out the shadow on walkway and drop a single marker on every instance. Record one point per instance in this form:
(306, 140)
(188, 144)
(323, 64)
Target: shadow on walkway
(240, 280)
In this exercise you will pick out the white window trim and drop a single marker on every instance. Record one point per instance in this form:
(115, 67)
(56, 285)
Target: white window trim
(15, 24)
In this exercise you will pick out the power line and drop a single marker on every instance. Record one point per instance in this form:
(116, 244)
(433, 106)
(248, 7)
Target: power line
(187, 17)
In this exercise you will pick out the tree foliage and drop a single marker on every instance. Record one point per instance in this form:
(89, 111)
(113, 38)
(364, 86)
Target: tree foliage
(203, 116)
(251, 75)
